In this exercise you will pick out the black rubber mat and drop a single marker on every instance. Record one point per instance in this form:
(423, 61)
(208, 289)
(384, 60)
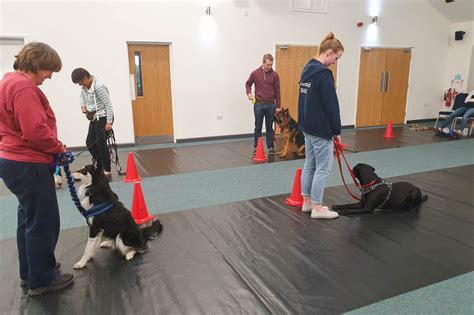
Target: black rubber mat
(262, 256)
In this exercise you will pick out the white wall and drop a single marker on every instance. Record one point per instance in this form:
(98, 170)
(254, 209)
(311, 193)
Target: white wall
(208, 74)
(460, 54)
(470, 82)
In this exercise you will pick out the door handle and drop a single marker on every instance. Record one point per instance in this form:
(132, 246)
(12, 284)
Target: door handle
(382, 81)
(132, 87)
(387, 81)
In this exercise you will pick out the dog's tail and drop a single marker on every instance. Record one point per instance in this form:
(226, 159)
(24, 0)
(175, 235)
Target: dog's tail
(416, 206)
(151, 232)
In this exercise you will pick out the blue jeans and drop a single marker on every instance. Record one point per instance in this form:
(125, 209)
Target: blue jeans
(38, 219)
(317, 165)
(464, 112)
(266, 111)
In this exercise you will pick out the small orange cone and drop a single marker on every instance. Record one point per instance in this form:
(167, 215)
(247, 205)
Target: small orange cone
(260, 154)
(296, 199)
(139, 210)
(131, 174)
(388, 130)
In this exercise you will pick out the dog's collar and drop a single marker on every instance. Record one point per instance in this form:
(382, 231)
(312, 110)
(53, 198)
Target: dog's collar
(372, 186)
(99, 209)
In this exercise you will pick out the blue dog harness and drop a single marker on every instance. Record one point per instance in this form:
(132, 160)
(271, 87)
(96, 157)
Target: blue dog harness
(98, 209)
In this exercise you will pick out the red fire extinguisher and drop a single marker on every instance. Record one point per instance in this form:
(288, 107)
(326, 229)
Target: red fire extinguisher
(449, 96)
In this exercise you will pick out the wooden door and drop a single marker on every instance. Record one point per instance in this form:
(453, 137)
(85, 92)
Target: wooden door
(370, 96)
(397, 68)
(290, 61)
(152, 109)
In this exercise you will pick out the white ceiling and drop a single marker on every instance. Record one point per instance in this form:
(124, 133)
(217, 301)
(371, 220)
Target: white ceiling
(457, 11)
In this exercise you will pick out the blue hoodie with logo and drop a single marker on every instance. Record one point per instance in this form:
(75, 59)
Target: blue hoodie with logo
(318, 107)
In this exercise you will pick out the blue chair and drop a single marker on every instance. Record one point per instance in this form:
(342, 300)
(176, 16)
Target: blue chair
(458, 102)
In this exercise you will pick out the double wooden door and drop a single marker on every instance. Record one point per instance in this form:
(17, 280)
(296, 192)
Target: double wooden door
(383, 86)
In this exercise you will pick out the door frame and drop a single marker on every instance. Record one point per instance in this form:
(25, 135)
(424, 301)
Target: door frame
(173, 105)
(358, 75)
(20, 39)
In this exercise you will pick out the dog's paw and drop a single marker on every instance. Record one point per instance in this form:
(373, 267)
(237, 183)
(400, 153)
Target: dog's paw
(79, 265)
(341, 211)
(130, 255)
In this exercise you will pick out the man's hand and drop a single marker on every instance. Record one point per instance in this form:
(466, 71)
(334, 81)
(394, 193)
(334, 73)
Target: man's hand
(250, 96)
(84, 110)
(277, 110)
(108, 127)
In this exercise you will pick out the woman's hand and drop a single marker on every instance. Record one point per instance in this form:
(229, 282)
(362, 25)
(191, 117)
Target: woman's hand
(108, 127)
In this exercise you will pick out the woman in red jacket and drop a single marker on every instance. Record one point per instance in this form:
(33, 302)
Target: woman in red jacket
(28, 141)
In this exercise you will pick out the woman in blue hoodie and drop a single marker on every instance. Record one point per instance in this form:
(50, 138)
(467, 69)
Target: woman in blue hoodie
(320, 121)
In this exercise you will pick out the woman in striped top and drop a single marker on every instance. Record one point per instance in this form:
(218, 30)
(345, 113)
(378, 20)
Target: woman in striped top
(95, 103)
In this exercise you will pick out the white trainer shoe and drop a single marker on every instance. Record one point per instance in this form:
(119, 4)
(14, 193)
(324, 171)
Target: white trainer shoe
(306, 208)
(324, 214)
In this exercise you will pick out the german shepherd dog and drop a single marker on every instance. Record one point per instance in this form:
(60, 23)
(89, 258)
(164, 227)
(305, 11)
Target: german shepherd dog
(114, 228)
(292, 136)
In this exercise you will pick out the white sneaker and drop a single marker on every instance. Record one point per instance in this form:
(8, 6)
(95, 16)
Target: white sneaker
(324, 214)
(307, 208)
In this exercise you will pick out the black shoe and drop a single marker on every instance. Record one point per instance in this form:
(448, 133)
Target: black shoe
(62, 281)
(271, 151)
(23, 283)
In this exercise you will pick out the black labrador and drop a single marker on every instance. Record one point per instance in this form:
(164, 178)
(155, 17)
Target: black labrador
(378, 194)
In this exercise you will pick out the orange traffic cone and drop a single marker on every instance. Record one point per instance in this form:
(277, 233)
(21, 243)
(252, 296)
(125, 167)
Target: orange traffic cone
(139, 210)
(296, 199)
(132, 174)
(260, 155)
(388, 130)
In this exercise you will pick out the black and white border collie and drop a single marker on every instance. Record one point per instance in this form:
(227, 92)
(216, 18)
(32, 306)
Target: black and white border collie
(114, 228)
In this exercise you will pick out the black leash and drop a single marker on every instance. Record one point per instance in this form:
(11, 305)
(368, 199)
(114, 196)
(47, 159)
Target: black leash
(112, 147)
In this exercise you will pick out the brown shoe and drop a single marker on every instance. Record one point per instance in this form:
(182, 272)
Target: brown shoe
(61, 282)
(23, 283)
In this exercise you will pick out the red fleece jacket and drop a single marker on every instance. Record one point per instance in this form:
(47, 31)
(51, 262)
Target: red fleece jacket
(27, 123)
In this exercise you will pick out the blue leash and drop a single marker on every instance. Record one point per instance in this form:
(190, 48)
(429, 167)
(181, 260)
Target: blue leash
(64, 159)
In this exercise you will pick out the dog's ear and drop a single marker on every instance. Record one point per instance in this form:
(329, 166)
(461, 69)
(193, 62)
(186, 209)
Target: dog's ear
(356, 171)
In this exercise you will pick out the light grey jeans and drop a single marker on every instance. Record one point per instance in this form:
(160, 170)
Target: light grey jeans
(317, 165)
